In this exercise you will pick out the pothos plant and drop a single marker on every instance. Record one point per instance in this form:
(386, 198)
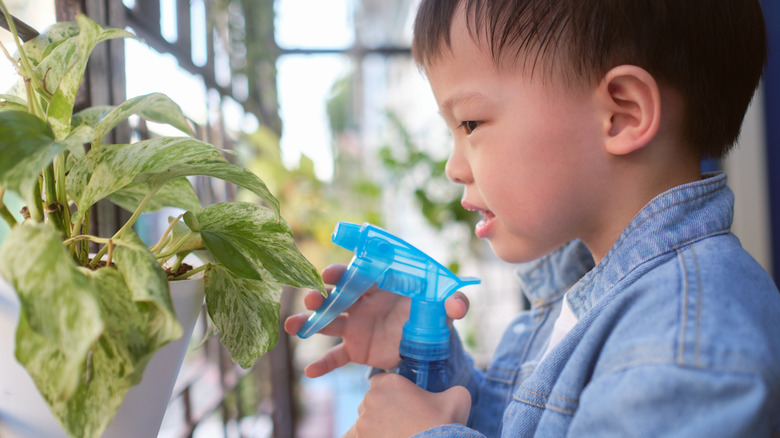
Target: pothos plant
(88, 324)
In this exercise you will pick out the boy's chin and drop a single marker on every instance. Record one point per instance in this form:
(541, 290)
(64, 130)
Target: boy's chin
(512, 252)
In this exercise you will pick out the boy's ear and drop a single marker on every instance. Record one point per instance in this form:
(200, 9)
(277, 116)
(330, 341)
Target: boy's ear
(632, 101)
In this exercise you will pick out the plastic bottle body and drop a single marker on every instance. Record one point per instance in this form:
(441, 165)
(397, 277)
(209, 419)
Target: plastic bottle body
(428, 375)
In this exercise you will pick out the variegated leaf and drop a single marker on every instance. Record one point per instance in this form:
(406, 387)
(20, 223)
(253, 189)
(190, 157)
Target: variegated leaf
(9, 102)
(155, 107)
(246, 313)
(118, 359)
(90, 116)
(76, 140)
(139, 320)
(41, 46)
(154, 162)
(26, 148)
(113, 363)
(59, 318)
(177, 193)
(61, 72)
(147, 282)
(248, 240)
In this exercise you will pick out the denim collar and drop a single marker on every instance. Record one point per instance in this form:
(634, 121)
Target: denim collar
(548, 278)
(673, 219)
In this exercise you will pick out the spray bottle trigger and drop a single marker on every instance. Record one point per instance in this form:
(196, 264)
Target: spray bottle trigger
(358, 278)
(403, 283)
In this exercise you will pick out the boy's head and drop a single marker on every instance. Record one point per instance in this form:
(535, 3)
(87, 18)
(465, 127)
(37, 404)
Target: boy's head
(710, 52)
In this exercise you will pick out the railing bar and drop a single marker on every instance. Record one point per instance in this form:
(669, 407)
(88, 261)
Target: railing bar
(25, 31)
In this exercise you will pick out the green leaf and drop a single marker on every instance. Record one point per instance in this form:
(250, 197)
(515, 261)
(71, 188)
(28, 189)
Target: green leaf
(26, 148)
(177, 193)
(154, 162)
(247, 240)
(113, 361)
(41, 46)
(118, 359)
(59, 318)
(76, 140)
(90, 116)
(61, 72)
(245, 311)
(139, 319)
(9, 102)
(148, 283)
(38, 49)
(156, 107)
(191, 221)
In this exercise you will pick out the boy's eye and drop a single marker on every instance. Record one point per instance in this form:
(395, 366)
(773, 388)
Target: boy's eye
(469, 126)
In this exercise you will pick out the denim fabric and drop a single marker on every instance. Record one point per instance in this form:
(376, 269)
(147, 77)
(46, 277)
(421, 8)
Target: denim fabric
(677, 336)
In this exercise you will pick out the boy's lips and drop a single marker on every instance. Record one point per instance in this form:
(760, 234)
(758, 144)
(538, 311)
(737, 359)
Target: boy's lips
(483, 227)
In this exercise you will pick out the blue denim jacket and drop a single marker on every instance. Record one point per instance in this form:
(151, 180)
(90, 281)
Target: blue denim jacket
(678, 335)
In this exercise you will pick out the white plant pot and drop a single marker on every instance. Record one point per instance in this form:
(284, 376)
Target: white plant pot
(24, 413)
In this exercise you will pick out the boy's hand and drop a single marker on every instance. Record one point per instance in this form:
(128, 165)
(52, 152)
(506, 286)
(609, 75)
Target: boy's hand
(370, 330)
(396, 407)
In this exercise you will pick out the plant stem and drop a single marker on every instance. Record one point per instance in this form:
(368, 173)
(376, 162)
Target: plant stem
(62, 195)
(28, 71)
(75, 230)
(110, 247)
(192, 272)
(36, 207)
(4, 212)
(166, 255)
(81, 237)
(137, 213)
(161, 243)
(177, 263)
(53, 206)
(84, 229)
(8, 216)
(84, 254)
(130, 222)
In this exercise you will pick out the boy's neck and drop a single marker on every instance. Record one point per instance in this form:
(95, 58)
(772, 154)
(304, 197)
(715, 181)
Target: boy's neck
(638, 178)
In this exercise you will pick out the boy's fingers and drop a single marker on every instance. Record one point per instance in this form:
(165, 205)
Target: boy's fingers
(332, 274)
(313, 299)
(334, 358)
(294, 323)
(335, 328)
(457, 305)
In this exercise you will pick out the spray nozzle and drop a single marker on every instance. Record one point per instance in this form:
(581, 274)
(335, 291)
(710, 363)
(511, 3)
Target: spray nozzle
(396, 266)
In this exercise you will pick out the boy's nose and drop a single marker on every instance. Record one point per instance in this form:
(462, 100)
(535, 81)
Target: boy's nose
(457, 168)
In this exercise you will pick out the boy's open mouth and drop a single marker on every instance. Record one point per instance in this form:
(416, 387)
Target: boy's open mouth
(483, 227)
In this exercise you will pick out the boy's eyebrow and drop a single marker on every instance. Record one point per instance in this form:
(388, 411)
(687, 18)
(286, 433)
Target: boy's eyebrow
(459, 99)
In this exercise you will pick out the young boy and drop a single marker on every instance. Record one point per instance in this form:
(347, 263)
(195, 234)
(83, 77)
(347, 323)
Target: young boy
(579, 127)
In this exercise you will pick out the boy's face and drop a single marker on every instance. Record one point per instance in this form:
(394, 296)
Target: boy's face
(526, 150)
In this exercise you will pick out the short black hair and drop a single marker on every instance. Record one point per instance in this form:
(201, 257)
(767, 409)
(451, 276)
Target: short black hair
(711, 52)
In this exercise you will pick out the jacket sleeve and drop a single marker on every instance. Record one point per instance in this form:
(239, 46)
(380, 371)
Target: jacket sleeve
(450, 431)
(675, 401)
(461, 370)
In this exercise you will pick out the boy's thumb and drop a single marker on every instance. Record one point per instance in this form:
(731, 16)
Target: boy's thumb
(457, 305)
(459, 400)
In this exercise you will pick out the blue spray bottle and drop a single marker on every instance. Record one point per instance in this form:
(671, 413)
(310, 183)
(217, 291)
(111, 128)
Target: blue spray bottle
(397, 267)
